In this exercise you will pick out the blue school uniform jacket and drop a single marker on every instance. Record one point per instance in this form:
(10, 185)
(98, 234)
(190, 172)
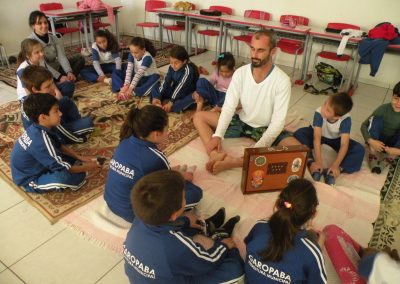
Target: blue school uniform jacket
(303, 263)
(133, 159)
(164, 254)
(36, 152)
(179, 83)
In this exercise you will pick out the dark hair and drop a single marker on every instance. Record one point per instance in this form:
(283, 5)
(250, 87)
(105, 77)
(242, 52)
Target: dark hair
(35, 16)
(156, 196)
(37, 104)
(180, 53)
(341, 103)
(226, 59)
(396, 90)
(26, 49)
(296, 205)
(112, 43)
(141, 122)
(35, 76)
(268, 33)
(144, 43)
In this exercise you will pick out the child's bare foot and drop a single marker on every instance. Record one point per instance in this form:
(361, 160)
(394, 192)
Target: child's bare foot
(215, 156)
(226, 164)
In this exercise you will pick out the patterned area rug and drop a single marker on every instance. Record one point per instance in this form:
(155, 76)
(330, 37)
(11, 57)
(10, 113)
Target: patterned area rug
(98, 101)
(387, 225)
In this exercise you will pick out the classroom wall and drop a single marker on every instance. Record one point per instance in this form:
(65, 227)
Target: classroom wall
(365, 13)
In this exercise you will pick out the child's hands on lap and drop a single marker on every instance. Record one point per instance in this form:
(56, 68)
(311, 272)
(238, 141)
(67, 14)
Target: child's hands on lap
(168, 106)
(334, 170)
(157, 102)
(376, 145)
(63, 79)
(91, 166)
(315, 167)
(391, 151)
(71, 77)
(229, 243)
(101, 78)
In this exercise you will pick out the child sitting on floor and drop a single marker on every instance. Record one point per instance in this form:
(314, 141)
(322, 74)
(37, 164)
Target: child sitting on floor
(141, 73)
(179, 83)
(32, 54)
(214, 89)
(331, 126)
(105, 54)
(281, 249)
(162, 246)
(39, 161)
(73, 128)
(138, 155)
(381, 131)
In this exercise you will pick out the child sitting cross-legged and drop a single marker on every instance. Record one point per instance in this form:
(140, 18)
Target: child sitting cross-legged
(163, 246)
(381, 131)
(39, 161)
(213, 90)
(331, 126)
(73, 127)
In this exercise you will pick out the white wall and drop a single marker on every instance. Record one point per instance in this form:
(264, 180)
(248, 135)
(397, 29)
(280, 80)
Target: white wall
(367, 13)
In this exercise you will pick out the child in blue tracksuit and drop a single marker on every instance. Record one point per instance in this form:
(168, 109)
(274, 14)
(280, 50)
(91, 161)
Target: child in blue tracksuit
(279, 250)
(140, 75)
(137, 155)
(106, 59)
(39, 161)
(162, 247)
(331, 126)
(73, 128)
(32, 54)
(179, 83)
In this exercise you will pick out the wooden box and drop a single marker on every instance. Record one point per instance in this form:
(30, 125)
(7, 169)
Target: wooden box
(272, 168)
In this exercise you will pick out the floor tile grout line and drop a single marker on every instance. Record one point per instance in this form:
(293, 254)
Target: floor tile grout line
(108, 271)
(16, 275)
(12, 206)
(40, 245)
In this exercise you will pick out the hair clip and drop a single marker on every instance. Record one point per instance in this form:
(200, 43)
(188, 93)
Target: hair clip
(287, 204)
(221, 56)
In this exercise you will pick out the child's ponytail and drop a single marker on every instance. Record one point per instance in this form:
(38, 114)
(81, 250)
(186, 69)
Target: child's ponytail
(295, 206)
(141, 122)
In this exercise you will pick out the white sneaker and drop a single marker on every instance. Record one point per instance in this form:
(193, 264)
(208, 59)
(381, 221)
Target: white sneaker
(85, 51)
(108, 81)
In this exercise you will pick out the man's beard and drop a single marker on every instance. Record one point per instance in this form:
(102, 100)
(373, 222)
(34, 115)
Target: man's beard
(255, 62)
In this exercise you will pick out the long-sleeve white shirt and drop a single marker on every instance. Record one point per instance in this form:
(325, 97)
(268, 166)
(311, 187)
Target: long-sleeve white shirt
(264, 104)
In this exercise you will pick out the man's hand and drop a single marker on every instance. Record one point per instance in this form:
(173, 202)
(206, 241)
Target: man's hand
(376, 145)
(71, 76)
(214, 144)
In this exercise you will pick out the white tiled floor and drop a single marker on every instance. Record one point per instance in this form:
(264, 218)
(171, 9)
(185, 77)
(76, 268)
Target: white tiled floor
(33, 251)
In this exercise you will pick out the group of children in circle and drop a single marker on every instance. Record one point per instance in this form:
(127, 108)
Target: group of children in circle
(280, 249)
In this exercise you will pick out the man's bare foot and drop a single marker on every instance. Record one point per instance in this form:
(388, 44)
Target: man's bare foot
(200, 103)
(214, 157)
(226, 164)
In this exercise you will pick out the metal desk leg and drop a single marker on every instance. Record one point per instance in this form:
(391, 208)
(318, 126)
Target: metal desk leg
(160, 32)
(308, 56)
(189, 47)
(353, 65)
(116, 25)
(91, 27)
(225, 38)
(85, 32)
(303, 74)
(221, 34)
(188, 29)
(53, 28)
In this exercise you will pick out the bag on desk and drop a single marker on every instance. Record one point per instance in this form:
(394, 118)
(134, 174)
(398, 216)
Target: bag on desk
(328, 74)
(208, 12)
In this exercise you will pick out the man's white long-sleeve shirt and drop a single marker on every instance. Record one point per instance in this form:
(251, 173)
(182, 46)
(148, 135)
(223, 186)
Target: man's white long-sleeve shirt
(264, 104)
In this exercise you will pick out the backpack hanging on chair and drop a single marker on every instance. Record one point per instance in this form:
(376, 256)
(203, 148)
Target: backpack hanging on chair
(328, 74)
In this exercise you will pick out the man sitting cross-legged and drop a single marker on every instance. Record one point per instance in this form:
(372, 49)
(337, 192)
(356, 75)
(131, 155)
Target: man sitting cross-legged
(262, 91)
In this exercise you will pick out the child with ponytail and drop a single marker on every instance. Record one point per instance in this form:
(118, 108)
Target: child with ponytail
(137, 155)
(140, 75)
(281, 249)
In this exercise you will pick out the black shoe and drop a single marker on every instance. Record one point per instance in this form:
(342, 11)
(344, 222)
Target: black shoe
(226, 230)
(218, 218)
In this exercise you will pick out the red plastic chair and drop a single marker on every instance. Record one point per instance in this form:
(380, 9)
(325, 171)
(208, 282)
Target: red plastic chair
(214, 33)
(149, 7)
(292, 46)
(64, 29)
(332, 55)
(254, 14)
(179, 26)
